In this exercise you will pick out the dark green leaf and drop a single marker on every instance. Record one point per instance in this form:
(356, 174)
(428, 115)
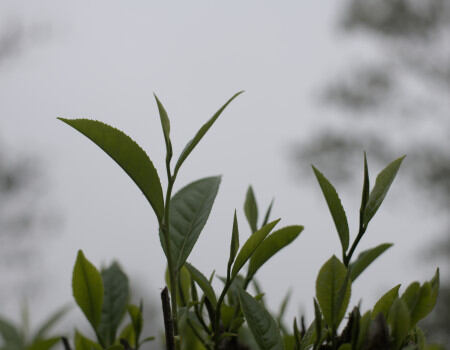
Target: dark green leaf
(83, 343)
(199, 135)
(115, 300)
(87, 287)
(261, 324)
(383, 305)
(382, 184)
(424, 305)
(336, 209)
(411, 295)
(189, 211)
(250, 246)
(50, 322)
(272, 245)
(364, 325)
(332, 277)
(251, 209)
(283, 306)
(366, 258)
(400, 321)
(128, 155)
(165, 123)
(234, 246)
(203, 283)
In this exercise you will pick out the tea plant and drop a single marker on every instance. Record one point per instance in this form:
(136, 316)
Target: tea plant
(196, 316)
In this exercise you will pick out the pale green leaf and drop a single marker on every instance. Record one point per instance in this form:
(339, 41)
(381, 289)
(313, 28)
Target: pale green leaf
(44, 344)
(165, 124)
(383, 305)
(382, 184)
(400, 321)
(272, 245)
(234, 245)
(250, 246)
(331, 278)
(84, 343)
(87, 287)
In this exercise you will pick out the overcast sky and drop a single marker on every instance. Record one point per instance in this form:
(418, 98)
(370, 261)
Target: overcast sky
(104, 60)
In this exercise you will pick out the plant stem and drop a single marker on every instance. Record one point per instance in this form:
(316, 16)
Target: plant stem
(168, 320)
(362, 230)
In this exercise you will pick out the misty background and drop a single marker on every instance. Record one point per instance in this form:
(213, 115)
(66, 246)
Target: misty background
(323, 84)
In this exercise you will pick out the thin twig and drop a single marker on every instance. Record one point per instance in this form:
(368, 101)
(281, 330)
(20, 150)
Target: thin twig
(168, 321)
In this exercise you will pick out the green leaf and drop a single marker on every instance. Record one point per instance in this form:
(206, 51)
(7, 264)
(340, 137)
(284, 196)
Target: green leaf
(128, 155)
(424, 305)
(251, 209)
(383, 305)
(128, 334)
(366, 258)
(137, 320)
(83, 343)
(87, 287)
(382, 184)
(400, 321)
(115, 300)
(234, 246)
(50, 322)
(267, 216)
(199, 135)
(272, 245)
(318, 323)
(189, 211)
(165, 123)
(346, 346)
(331, 278)
(261, 323)
(203, 283)
(44, 344)
(11, 336)
(366, 186)
(336, 209)
(364, 325)
(411, 295)
(250, 246)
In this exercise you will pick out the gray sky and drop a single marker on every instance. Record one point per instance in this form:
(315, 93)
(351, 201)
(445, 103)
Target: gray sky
(104, 59)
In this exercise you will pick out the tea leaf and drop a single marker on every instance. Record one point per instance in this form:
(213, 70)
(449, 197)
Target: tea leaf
(318, 323)
(189, 211)
(128, 155)
(383, 305)
(87, 286)
(128, 334)
(115, 300)
(83, 343)
(11, 335)
(250, 246)
(365, 258)
(411, 295)
(382, 184)
(272, 245)
(336, 209)
(199, 135)
(251, 209)
(165, 123)
(203, 283)
(424, 305)
(400, 321)
(364, 325)
(330, 280)
(267, 216)
(234, 246)
(261, 323)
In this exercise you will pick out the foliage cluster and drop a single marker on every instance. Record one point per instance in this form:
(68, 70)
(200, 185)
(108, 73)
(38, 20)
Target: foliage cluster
(196, 316)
